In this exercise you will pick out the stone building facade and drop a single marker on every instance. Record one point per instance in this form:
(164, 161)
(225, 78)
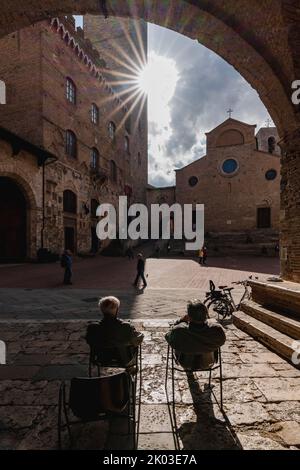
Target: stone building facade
(60, 100)
(238, 184)
(123, 46)
(165, 195)
(238, 181)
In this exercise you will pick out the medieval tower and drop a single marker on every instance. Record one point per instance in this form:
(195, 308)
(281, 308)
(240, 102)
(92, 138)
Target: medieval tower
(122, 44)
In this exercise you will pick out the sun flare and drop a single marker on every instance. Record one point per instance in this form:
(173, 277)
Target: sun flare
(158, 78)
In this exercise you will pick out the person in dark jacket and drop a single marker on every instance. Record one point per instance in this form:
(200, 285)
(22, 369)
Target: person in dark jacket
(196, 338)
(111, 332)
(130, 253)
(140, 271)
(66, 263)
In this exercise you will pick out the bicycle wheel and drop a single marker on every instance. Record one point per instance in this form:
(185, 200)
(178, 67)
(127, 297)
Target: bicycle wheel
(222, 307)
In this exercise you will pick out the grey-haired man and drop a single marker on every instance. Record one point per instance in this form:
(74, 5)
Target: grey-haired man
(112, 332)
(196, 338)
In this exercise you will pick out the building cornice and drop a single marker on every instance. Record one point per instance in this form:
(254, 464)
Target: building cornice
(18, 144)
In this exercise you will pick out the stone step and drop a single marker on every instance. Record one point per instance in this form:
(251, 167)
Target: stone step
(278, 296)
(270, 337)
(287, 325)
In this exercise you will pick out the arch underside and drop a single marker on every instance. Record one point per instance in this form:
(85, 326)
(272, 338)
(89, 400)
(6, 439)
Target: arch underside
(223, 27)
(218, 25)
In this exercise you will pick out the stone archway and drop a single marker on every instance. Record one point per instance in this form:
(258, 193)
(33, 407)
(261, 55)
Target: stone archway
(31, 218)
(223, 27)
(257, 38)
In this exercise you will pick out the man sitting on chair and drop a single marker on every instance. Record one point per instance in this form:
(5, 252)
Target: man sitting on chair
(111, 333)
(195, 338)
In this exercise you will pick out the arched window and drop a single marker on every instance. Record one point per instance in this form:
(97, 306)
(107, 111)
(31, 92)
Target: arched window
(94, 207)
(71, 144)
(113, 171)
(127, 145)
(112, 130)
(128, 125)
(95, 114)
(70, 202)
(271, 144)
(94, 159)
(71, 91)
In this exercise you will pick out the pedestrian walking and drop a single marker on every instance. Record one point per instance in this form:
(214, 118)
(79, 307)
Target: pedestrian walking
(66, 263)
(200, 256)
(140, 271)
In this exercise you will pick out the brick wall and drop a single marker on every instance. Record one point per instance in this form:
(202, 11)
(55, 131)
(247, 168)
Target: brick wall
(40, 112)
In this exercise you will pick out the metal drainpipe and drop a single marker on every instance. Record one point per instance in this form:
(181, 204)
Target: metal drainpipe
(43, 204)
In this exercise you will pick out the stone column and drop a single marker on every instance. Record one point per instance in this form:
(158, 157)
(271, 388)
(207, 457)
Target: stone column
(290, 208)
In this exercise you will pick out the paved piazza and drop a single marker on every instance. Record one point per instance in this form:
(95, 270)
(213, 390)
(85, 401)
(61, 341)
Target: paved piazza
(44, 333)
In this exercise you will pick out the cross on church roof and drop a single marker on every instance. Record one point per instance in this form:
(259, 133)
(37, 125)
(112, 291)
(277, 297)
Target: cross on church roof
(268, 122)
(230, 111)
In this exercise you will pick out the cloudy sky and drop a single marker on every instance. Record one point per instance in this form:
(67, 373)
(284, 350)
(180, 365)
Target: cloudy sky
(202, 87)
(207, 87)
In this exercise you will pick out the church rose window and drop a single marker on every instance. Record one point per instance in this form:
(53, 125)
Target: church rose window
(230, 166)
(271, 175)
(193, 181)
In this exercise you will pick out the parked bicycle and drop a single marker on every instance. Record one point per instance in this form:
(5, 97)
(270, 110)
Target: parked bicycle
(222, 301)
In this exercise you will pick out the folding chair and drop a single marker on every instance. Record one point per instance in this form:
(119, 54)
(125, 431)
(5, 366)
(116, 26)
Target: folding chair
(112, 358)
(174, 365)
(96, 398)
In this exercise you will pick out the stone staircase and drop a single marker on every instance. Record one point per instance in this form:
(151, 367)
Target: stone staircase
(273, 316)
(256, 243)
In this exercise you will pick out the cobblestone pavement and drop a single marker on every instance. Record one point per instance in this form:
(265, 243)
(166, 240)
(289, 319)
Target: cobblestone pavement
(32, 292)
(261, 393)
(43, 304)
(106, 273)
(43, 326)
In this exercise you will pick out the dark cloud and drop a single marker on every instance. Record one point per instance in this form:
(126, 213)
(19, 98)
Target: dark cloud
(204, 94)
(207, 87)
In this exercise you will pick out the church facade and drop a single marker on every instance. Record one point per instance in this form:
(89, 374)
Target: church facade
(238, 181)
